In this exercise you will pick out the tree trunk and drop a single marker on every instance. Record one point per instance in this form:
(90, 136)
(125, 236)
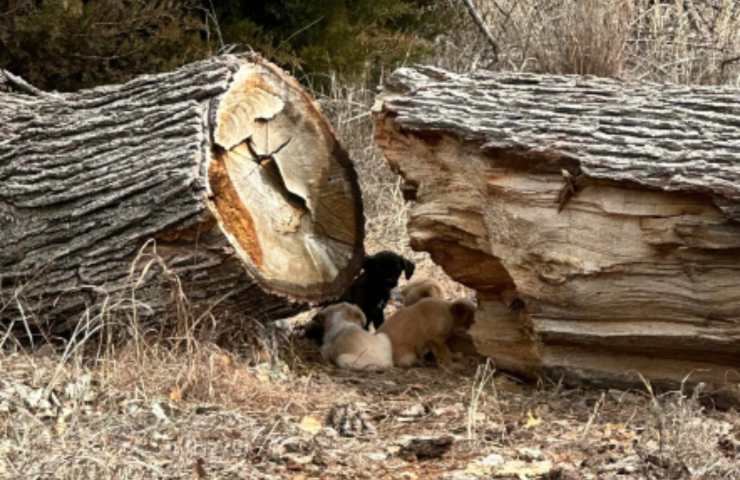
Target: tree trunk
(599, 221)
(225, 168)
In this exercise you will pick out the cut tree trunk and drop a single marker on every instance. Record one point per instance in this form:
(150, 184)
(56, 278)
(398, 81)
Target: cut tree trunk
(224, 169)
(599, 221)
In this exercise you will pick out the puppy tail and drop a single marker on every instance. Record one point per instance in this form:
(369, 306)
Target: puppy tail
(463, 312)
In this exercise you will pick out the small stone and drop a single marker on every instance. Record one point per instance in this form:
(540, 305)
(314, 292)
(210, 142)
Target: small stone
(377, 456)
(530, 454)
(491, 460)
(329, 432)
(519, 468)
(415, 410)
(460, 475)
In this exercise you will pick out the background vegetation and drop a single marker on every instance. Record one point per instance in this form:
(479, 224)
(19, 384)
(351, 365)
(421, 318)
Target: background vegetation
(71, 44)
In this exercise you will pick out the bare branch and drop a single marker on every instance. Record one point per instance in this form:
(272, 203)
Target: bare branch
(483, 27)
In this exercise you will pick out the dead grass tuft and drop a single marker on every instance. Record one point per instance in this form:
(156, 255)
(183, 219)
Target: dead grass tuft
(588, 37)
(678, 41)
(348, 108)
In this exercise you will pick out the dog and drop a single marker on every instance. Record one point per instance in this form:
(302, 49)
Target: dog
(414, 291)
(347, 344)
(426, 326)
(371, 290)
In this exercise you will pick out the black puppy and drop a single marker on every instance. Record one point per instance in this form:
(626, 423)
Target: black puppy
(371, 290)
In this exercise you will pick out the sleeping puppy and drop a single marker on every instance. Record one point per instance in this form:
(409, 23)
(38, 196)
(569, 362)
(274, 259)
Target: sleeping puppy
(372, 289)
(426, 326)
(347, 344)
(414, 291)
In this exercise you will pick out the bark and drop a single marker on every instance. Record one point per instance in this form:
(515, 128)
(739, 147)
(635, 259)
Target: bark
(599, 221)
(224, 169)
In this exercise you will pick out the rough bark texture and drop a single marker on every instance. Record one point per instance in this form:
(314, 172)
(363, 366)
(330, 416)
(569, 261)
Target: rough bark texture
(598, 221)
(225, 167)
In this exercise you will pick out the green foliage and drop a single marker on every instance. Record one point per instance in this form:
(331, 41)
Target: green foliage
(347, 37)
(71, 44)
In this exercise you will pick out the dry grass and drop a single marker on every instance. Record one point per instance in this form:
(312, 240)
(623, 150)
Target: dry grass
(386, 212)
(588, 37)
(173, 403)
(153, 412)
(687, 42)
(679, 41)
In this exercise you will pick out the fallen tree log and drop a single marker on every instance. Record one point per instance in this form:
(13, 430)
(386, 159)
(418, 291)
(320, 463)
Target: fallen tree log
(599, 221)
(226, 167)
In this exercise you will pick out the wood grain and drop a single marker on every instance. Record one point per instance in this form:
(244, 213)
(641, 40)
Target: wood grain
(639, 271)
(179, 162)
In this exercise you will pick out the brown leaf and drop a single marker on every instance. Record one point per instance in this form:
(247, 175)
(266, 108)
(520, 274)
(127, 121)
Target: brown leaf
(176, 394)
(199, 471)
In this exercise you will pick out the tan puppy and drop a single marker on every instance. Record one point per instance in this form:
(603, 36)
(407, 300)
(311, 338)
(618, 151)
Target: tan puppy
(347, 344)
(426, 325)
(414, 291)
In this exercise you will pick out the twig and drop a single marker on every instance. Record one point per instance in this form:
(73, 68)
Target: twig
(594, 414)
(212, 14)
(483, 28)
(507, 15)
(18, 84)
(726, 62)
(299, 31)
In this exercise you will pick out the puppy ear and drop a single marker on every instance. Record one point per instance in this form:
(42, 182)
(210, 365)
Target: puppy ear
(408, 268)
(463, 312)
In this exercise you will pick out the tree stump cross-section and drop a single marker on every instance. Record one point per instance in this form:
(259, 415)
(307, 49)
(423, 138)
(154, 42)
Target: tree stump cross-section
(225, 169)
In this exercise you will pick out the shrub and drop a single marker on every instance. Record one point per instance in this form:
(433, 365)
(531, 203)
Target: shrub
(350, 38)
(70, 44)
(680, 41)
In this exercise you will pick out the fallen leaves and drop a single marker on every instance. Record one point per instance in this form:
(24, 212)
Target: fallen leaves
(496, 465)
(199, 471)
(47, 402)
(176, 394)
(379, 429)
(520, 468)
(159, 413)
(532, 421)
(310, 425)
(412, 413)
(350, 420)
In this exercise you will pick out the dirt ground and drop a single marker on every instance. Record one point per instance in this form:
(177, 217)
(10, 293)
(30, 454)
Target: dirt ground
(206, 413)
